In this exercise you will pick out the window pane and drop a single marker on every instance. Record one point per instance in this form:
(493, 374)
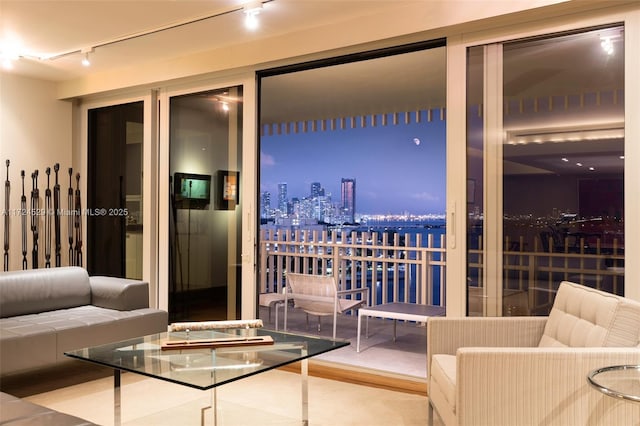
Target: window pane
(205, 214)
(563, 166)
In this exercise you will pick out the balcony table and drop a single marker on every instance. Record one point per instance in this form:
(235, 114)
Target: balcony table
(397, 311)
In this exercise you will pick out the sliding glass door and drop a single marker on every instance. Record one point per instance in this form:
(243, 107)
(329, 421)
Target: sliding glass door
(545, 168)
(205, 158)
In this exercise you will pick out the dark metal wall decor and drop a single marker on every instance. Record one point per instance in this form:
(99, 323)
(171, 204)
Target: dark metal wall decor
(7, 193)
(35, 223)
(56, 218)
(78, 223)
(47, 221)
(50, 212)
(23, 220)
(70, 217)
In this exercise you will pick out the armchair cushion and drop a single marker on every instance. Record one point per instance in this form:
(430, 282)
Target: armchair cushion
(444, 374)
(585, 317)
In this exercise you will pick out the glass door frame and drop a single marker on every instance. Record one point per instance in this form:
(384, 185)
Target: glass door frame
(248, 188)
(149, 181)
(456, 151)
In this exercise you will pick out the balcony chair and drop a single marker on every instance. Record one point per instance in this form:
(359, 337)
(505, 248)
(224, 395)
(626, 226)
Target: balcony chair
(271, 300)
(319, 295)
(532, 370)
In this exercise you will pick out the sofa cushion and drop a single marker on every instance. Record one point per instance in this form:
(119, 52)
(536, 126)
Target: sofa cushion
(39, 290)
(40, 339)
(585, 317)
(24, 345)
(99, 326)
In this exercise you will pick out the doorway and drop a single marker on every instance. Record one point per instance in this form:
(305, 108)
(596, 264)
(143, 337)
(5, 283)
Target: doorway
(114, 190)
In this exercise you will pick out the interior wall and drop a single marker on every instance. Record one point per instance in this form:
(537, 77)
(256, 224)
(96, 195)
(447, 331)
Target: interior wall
(35, 133)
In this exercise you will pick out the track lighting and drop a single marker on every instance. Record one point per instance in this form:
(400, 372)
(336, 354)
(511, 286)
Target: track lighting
(251, 11)
(85, 60)
(7, 58)
(7, 63)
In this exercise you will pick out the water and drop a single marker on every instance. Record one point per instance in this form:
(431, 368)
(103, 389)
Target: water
(406, 229)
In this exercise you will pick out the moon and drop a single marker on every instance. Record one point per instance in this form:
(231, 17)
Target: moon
(416, 141)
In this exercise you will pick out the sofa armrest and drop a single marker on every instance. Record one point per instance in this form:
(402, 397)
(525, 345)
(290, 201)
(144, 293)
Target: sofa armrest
(119, 293)
(445, 335)
(538, 386)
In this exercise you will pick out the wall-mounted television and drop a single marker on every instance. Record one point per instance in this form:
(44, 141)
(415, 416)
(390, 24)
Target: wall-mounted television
(191, 191)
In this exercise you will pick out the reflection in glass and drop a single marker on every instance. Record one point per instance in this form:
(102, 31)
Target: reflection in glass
(205, 135)
(562, 167)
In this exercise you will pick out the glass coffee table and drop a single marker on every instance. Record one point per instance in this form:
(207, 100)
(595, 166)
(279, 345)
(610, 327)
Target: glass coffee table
(208, 368)
(617, 381)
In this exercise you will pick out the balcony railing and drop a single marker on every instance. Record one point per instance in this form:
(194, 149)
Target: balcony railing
(531, 277)
(397, 268)
(412, 269)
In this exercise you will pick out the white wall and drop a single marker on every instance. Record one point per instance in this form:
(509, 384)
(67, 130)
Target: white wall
(35, 133)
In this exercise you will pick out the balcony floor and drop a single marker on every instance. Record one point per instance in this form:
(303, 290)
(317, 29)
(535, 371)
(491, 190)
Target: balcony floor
(406, 356)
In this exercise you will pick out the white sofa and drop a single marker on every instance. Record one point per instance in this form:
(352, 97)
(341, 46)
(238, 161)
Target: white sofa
(517, 371)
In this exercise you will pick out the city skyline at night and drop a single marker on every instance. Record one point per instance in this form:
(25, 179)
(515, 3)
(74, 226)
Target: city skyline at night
(399, 168)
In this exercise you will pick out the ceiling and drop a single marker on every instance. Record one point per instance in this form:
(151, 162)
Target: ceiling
(45, 28)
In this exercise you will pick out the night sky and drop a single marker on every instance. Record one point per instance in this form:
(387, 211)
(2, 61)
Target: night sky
(398, 168)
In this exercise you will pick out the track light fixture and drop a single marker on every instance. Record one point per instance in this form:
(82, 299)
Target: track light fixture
(251, 12)
(7, 63)
(8, 57)
(85, 60)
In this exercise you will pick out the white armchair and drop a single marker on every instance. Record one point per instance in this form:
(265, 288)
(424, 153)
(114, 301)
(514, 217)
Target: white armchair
(532, 370)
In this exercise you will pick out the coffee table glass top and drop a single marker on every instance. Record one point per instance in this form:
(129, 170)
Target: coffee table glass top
(205, 368)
